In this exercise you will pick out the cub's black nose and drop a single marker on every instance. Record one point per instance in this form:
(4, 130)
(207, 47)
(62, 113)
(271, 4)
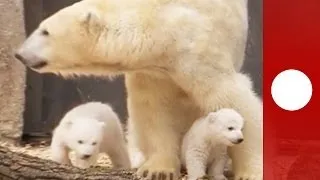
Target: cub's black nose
(240, 140)
(86, 156)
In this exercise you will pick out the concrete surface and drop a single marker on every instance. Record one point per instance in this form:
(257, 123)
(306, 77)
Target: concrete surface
(12, 72)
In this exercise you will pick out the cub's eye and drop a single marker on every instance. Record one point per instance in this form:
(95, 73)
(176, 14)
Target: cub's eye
(230, 128)
(94, 143)
(80, 142)
(45, 32)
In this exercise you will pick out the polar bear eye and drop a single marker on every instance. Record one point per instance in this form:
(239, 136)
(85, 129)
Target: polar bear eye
(230, 128)
(94, 143)
(80, 142)
(45, 32)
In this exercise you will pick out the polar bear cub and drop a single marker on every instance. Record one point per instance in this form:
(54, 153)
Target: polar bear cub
(204, 147)
(89, 129)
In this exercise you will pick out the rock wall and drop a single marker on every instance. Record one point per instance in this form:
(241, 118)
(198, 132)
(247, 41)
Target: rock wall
(12, 72)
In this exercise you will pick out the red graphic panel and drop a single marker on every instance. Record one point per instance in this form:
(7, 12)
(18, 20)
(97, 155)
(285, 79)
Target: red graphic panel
(291, 41)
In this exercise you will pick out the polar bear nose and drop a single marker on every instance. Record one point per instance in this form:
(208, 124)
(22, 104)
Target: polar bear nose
(240, 140)
(31, 62)
(86, 156)
(20, 58)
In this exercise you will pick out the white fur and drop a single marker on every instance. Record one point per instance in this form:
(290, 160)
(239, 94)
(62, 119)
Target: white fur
(181, 60)
(90, 129)
(205, 144)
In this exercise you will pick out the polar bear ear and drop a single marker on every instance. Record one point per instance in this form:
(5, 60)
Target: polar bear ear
(212, 116)
(91, 21)
(90, 17)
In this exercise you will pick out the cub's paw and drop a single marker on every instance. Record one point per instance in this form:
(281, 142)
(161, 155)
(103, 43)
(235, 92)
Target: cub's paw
(158, 168)
(79, 163)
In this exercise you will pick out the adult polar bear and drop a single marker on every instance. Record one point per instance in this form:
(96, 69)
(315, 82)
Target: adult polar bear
(180, 59)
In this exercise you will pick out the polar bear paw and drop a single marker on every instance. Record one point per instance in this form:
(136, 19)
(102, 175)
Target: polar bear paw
(220, 177)
(247, 167)
(158, 168)
(248, 176)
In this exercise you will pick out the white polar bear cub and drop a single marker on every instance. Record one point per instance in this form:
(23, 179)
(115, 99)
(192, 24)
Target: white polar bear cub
(89, 129)
(204, 146)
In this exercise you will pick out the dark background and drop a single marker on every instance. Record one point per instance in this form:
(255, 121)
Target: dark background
(49, 97)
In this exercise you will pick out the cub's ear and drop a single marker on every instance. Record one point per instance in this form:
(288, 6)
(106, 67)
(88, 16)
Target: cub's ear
(68, 124)
(212, 116)
(102, 124)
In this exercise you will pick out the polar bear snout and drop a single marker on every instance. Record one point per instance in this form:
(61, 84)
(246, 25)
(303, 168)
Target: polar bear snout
(31, 61)
(20, 58)
(33, 51)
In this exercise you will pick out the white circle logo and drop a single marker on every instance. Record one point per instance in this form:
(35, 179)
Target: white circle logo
(291, 90)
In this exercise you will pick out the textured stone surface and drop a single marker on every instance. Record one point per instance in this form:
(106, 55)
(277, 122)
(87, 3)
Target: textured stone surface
(12, 72)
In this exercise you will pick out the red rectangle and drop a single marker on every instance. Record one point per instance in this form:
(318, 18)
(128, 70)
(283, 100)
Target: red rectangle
(291, 41)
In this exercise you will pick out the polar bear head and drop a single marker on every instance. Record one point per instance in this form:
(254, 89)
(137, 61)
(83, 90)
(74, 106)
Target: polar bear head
(90, 37)
(226, 125)
(85, 137)
(64, 41)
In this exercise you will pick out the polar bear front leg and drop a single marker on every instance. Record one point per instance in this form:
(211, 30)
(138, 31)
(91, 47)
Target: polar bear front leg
(135, 154)
(151, 128)
(159, 145)
(214, 88)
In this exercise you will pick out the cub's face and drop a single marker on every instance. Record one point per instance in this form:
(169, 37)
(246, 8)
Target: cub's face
(226, 125)
(63, 42)
(85, 137)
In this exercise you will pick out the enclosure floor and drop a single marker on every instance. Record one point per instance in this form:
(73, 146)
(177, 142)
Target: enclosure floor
(43, 152)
